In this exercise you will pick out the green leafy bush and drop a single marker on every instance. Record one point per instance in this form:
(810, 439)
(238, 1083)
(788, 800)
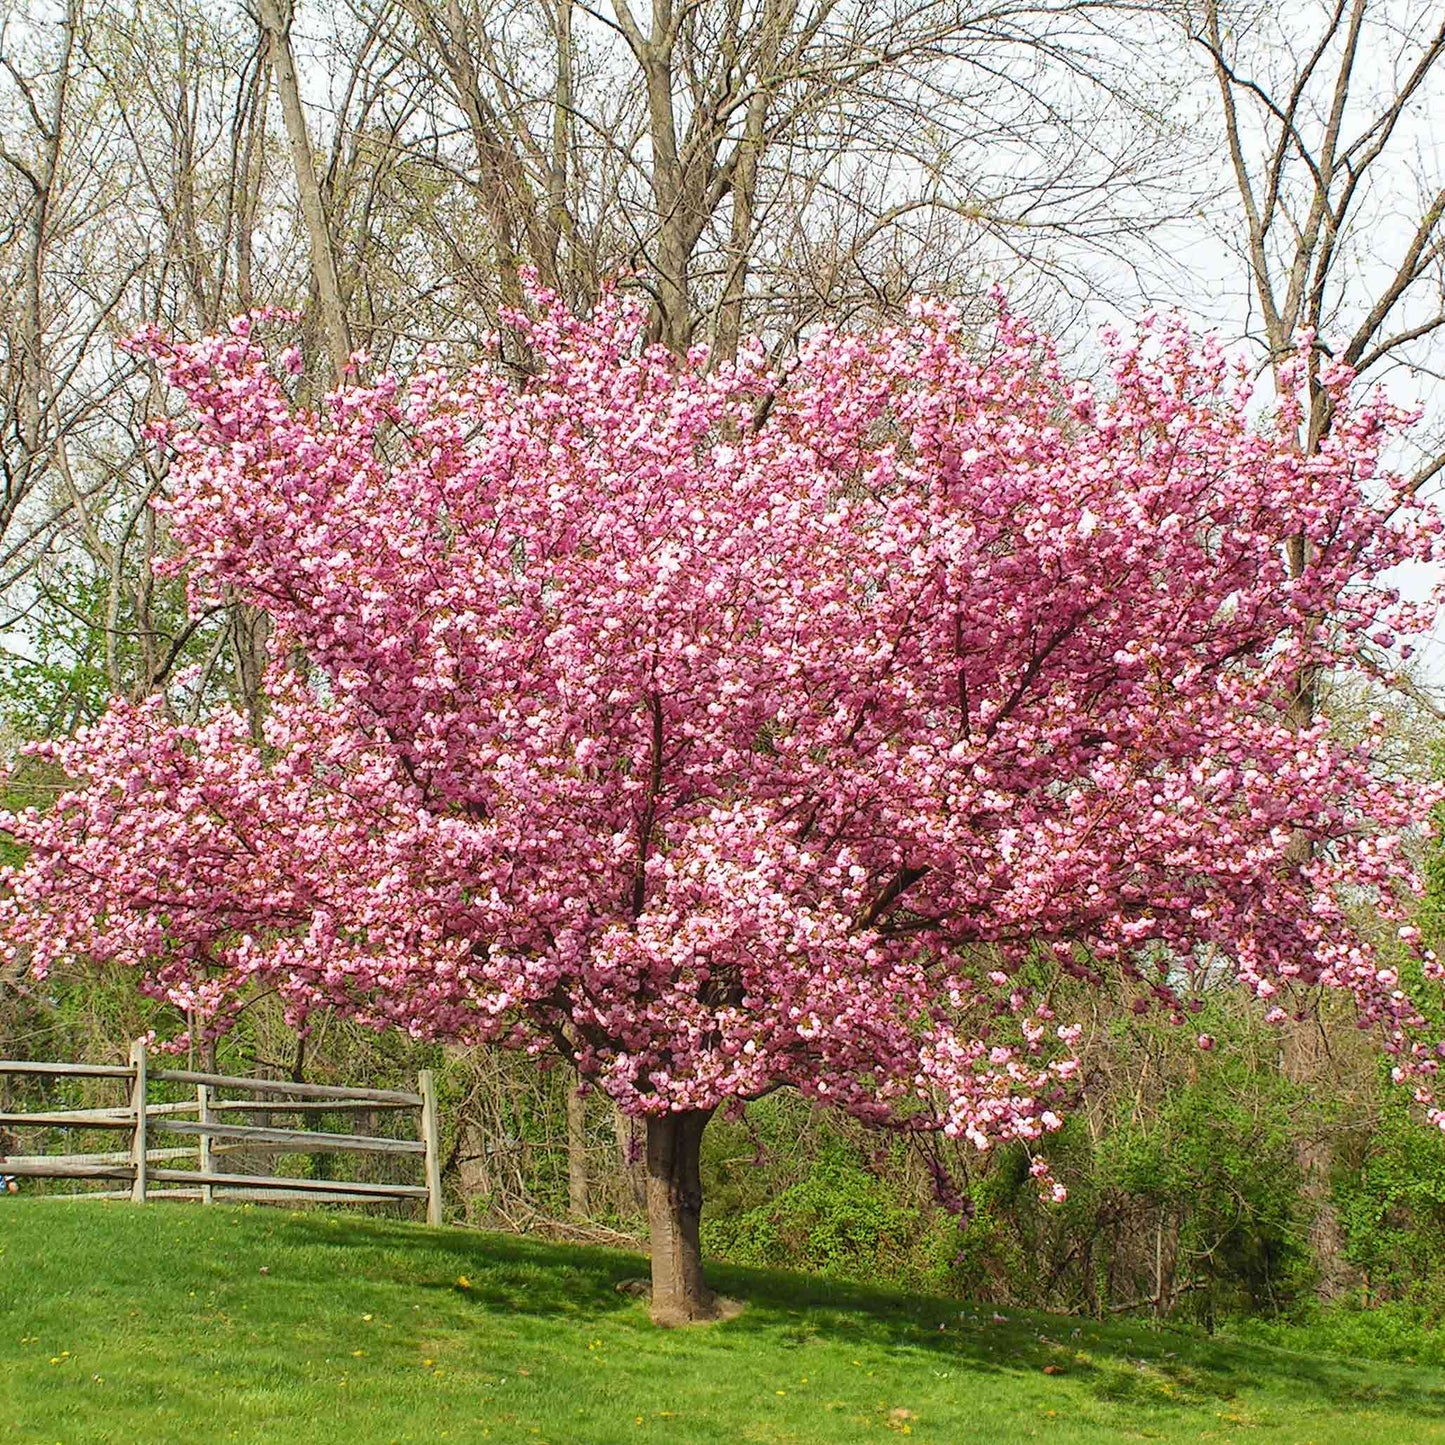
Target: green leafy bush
(838, 1219)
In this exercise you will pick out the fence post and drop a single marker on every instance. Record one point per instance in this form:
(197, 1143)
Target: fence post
(138, 1107)
(431, 1138)
(203, 1149)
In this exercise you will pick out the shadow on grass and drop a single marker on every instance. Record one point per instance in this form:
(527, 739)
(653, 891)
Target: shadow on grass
(1129, 1361)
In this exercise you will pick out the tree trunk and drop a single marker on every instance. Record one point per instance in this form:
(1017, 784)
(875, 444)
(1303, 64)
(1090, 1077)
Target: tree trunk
(1305, 1061)
(633, 1172)
(578, 1203)
(674, 1209)
(313, 207)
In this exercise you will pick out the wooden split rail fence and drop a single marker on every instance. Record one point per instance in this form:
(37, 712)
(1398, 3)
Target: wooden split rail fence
(149, 1171)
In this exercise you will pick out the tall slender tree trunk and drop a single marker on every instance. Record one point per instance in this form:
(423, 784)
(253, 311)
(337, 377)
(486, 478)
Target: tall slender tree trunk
(674, 1210)
(751, 148)
(1305, 1057)
(578, 1202)
(308, 188)
(632, 1166)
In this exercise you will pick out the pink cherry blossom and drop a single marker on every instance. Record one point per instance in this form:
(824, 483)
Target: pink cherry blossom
(722, 730)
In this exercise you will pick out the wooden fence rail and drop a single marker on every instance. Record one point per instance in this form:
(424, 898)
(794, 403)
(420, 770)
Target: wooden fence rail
(143, 1165)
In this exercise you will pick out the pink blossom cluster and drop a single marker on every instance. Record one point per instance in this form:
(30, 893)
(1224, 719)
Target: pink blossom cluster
(723, 730)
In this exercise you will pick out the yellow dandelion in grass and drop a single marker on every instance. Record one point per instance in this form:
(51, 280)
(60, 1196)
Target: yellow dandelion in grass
(463, 1282)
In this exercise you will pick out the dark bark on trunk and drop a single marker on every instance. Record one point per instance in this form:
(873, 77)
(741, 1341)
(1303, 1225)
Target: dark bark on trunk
(674, 1211)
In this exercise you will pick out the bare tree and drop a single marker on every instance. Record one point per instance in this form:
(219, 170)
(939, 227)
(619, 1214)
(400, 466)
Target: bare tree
(1340, 200)
(46, 198)
(759, 164)
(133, 152)
(308, 186)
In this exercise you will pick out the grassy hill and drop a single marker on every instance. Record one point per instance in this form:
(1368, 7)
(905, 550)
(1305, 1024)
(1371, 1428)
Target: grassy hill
(177, 1323)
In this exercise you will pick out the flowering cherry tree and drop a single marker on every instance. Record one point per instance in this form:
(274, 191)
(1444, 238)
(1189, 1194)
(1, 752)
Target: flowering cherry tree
(720, 731)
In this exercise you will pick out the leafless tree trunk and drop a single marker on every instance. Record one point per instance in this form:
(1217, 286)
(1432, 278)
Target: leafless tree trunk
(308, 187)
(33, 422)
(579, 1203)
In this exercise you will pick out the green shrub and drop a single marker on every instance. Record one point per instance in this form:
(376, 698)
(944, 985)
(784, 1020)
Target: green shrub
(837, 1220)
(1389, 1192)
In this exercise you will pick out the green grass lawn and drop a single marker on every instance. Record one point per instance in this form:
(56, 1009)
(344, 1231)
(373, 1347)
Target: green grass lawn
(177, 1323)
